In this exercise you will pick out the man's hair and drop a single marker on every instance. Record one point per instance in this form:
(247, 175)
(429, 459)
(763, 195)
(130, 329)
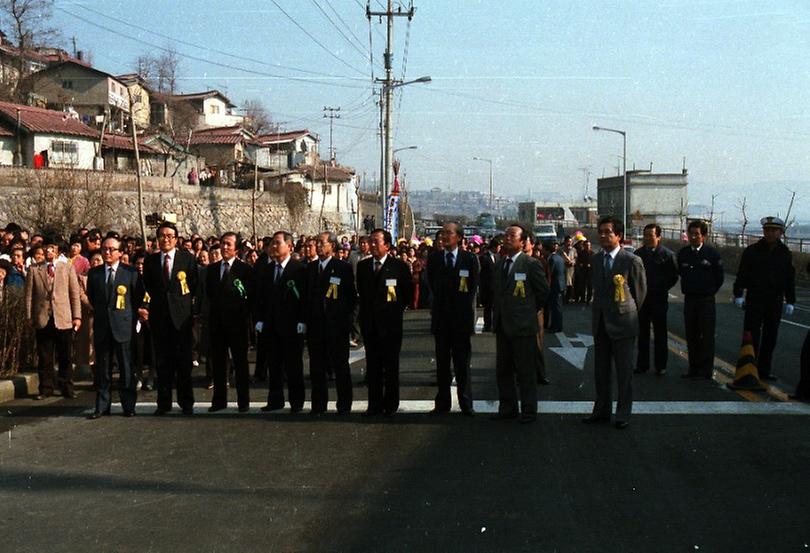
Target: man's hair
(655, 227)
(698, 224)
(168, 225)
(228, 234)
(363, 238)
(618, 226)
(332, 239)
(458, 229)
(287, 236)
(386, 236)
(523, 231)
(117, 241)
(495, 242)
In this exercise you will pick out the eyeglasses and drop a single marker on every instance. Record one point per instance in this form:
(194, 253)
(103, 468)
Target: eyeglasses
(166, 236)
(109, 249)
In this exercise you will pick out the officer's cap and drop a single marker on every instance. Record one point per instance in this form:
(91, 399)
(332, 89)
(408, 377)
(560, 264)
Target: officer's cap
(770, 221)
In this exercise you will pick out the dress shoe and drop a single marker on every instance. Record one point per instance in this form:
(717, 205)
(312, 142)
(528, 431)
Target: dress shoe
(40, 397)
(371, 413)
(297, 409)
(188, 411)
(595, 419)
(640, 371)
(214, 408)
(526, 418)
(660, 372)
(621, 425)
(95, 415)
(544, 381)
(160, 412)
(270, 408)
(128, 414)
(70, 394)
(503, 416)
(244, 409)
(468, 412)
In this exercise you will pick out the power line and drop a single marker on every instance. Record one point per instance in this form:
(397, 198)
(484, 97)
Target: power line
(340, 31)
(315, 40)
(348, 28)
(201, 47)
(211, 62)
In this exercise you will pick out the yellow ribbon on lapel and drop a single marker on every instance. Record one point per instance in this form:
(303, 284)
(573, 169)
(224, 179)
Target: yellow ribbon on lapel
(618, 280)
(520, 289)
(146, 297)
(392, 294)
(462, 285)
(120, 301)
(332, 292)
(181, 276)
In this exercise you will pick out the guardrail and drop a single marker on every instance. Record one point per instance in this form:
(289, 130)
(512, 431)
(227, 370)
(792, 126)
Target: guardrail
(740, 240)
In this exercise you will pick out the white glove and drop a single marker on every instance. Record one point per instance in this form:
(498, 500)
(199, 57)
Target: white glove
(259, 326)
(739, 302)
(301, 328)
(788, 309)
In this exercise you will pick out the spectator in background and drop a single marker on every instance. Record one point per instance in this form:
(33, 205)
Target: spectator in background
(488, 261)
(79, 263)
(583, 287)
(16, 276)
(553, 309)
(569, 257)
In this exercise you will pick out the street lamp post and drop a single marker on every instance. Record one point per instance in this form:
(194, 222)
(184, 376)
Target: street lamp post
(624, 164)
(385, 96)
(491, 202)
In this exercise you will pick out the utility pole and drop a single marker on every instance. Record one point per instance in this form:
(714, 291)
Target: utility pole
(331, 114)
(388, 84)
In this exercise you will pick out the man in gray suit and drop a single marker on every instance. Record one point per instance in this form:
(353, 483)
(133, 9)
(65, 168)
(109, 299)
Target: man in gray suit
(619, 288)
(520, 290)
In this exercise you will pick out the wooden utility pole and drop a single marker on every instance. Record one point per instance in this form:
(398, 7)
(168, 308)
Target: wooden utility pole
(141, 217)
(331, 114)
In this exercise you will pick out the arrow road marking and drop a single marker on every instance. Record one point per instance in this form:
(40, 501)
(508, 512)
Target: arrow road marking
(575, 355)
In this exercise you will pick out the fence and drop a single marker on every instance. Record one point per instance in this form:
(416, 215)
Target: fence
(740, 240)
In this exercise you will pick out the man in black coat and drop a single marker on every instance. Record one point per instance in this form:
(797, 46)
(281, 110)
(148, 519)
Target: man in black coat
(385, 289)
(701, 272)
(553, 308)
(661, 269)
(229, 286)
(453, 276)
(281, 313)
(331, 300)
(263, 278)
(170, 278)
(487, 262)
(114, 293)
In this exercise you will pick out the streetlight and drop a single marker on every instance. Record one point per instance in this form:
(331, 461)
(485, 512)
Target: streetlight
(385, 94)
(405, 148)
(624, 163)
(490, 180)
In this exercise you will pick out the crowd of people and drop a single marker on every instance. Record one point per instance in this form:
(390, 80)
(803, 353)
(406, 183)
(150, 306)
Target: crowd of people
(154, 311)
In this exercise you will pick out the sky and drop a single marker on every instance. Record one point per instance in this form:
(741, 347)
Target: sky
(720, 84)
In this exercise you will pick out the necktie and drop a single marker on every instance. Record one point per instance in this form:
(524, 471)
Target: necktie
(278, 273)
(167, 274)
(320, 269)
(50, 270)
(377, 266)
(608, 263)
(506, 266)
(110, 281)
(449, 260)
(226, 268)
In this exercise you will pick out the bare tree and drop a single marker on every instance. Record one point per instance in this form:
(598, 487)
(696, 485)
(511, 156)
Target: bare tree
(788, 221)
(28, 23)
(161, 72)
(257, 119)
(742, 205)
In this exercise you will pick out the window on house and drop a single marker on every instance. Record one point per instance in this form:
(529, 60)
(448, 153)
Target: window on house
(136, 98)
(64, 153)
(67, 85)
(214, 109)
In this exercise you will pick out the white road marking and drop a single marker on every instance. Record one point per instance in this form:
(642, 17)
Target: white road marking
(356, 355)
(479, 325)
(800, 325)
(575, 355)
(543, 407)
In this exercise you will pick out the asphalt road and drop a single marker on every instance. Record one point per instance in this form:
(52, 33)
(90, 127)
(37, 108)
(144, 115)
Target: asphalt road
(686, 480)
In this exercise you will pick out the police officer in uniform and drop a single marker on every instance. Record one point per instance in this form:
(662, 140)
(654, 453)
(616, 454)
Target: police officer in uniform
(662, 274)
(701, 272)
(767, 279)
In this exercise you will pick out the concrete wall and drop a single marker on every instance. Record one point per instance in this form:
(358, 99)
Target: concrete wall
(86, 149)
(8, 145)
(205, 210)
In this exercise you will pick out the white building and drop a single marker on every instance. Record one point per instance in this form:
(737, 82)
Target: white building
(651, 198)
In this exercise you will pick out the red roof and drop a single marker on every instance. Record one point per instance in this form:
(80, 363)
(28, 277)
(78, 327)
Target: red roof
(38, 120)
(124, 142)
(277, 138)
(222, 135)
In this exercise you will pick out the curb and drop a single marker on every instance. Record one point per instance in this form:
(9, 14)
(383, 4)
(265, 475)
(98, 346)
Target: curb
(20, 385)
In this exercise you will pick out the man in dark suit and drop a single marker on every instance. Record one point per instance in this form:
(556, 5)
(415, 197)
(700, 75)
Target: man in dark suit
(331, 301)
(281, 313)
(114, 293)
(263, 279)
(229, 286)
(662, 273)
(521, 290)
(453, 276)
(556, 266)
(385, 289)
(487, 262)
(619, 289)
(170, 279)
